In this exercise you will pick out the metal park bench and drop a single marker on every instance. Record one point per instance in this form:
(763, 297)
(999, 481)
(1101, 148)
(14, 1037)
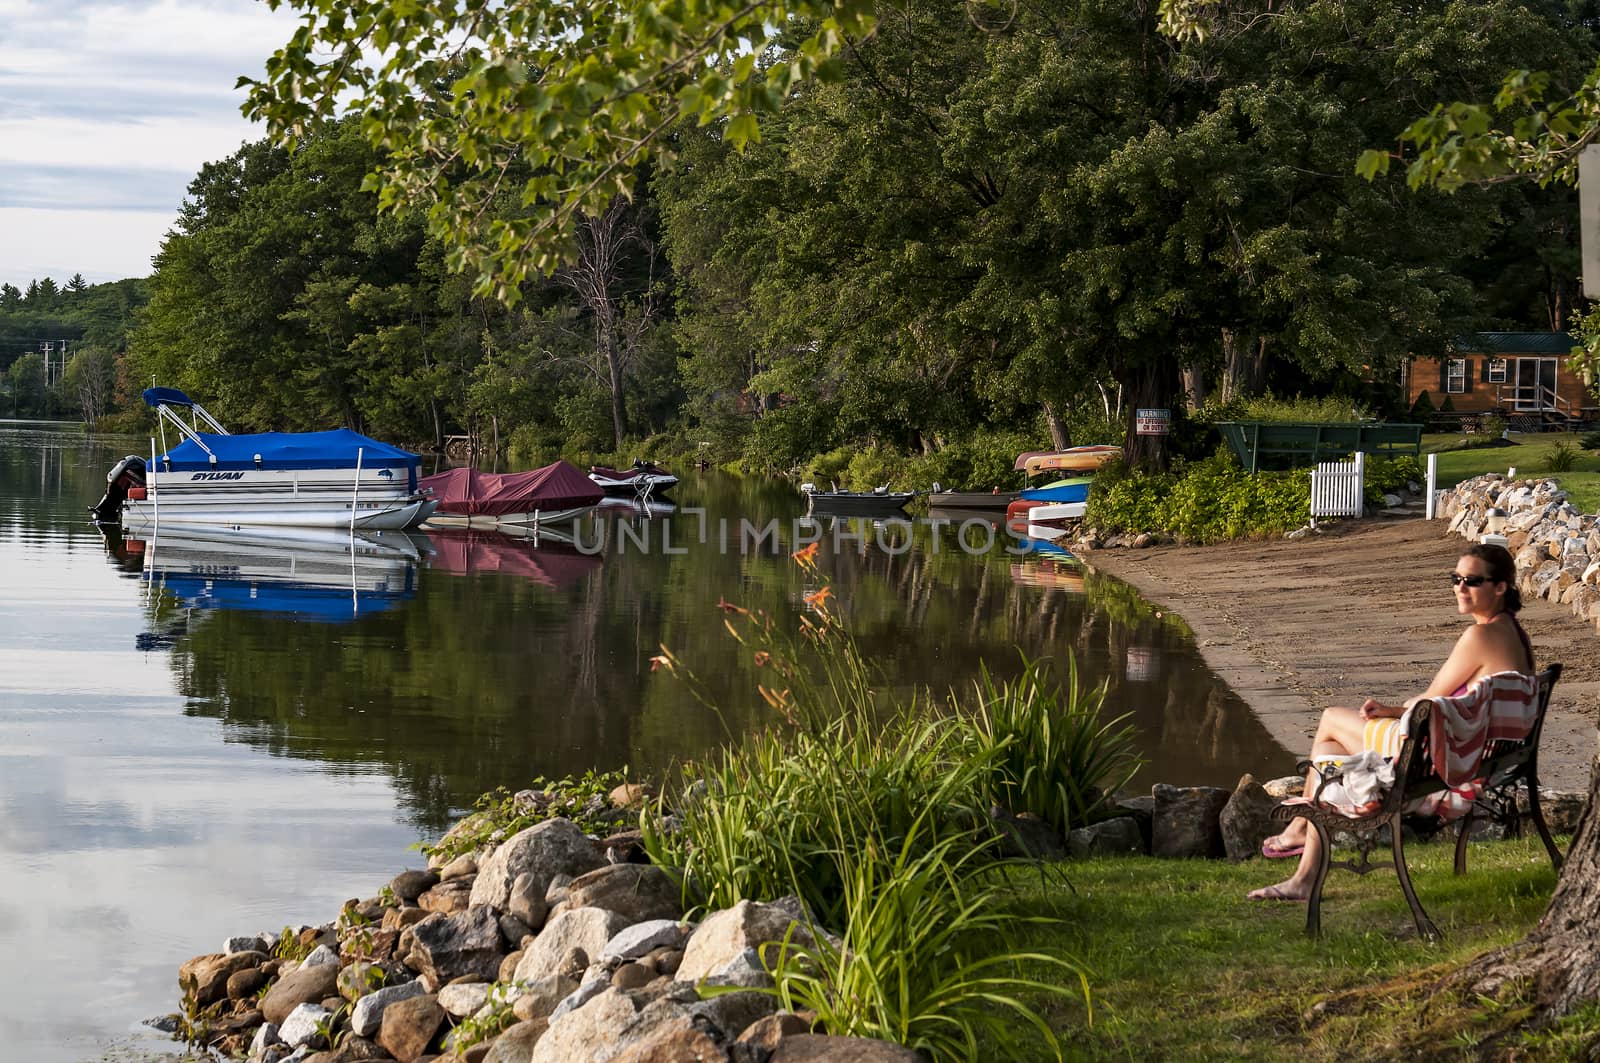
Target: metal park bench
(1505, 766)
(1309, 443)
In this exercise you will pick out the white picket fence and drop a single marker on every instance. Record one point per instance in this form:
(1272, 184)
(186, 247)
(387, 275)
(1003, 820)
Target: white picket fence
(1337, 488)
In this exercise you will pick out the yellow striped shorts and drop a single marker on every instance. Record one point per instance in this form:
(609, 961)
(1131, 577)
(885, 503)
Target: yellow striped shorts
(1383, 735)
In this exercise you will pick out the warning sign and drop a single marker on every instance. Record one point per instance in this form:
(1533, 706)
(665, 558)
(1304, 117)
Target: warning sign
(1152, 422)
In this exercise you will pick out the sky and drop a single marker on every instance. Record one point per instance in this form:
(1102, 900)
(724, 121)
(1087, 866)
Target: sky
(107, 112)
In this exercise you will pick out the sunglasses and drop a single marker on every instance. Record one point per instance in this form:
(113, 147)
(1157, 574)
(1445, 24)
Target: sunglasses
(1457, 580)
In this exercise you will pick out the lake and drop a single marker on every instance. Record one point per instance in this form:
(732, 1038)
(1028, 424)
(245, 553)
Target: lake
(203, 736)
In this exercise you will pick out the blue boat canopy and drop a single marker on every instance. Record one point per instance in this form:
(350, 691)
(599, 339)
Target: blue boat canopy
(307, 601)
(288, 450)
(154, 397)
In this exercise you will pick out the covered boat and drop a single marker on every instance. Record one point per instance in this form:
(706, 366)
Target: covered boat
(469, 498)
(642, 478)
(335, 479)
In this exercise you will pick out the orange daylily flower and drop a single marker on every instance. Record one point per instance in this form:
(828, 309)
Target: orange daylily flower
(762, 658)
(806, 555)
(818, 599)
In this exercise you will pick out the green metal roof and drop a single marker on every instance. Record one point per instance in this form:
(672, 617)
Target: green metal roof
(1516, 343)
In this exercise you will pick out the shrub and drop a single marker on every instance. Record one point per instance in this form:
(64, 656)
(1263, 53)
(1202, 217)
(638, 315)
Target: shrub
(1423, 406)
(499, 814)
(1562, 457)
(1493, 426)
(1448, 405)
(1589, 441)
(1210, 501)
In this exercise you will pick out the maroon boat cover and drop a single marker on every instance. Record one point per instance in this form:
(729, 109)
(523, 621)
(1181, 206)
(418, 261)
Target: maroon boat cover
(494, 494)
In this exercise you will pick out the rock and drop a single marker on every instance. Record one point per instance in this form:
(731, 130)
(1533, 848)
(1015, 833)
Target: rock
(1561, 810)
(1142, 809)
(401, 918)
(1109, 837)
(1246, 820)
(245, 944)
(588, 929)
(516, 1043)
(245, 984)
(1027, 836)
(539, 998)
(508, 967)
(304, 1026)
(358, 979)
(513, 930)
(573, 963)
(720, 941)
(445, 947)
(308, 985)
(318, 956)
(673, 1044)
(409, 885)
(464, 998)
(732, 1013)
(526, 901)
(605, 1026)
(1185, 823)
(463, 866)
(409, 1027)
(576, 999)
(819, 1048)
(640, 938)
(766, 1032)
(663, 961)
(266, 1034)
(1285, 786)
(632, 795)
(544, 850)
(366, 1017)
(351, 1049)
(638, 892)
(632, 976)
(624, 847)
(447, 898)
(206, 977)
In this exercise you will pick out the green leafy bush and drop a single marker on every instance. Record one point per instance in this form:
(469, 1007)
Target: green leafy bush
(1423, 406)
(1562, 457)
(1206, 502)
(1493, 426)
(1589, 441)
(1388, 475)
(500, 813)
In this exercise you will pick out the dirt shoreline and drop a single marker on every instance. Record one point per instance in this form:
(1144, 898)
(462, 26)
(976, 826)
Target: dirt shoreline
(1361, 610)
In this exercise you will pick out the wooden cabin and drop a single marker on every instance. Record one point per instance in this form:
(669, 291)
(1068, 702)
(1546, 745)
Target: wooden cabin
(1521, 376)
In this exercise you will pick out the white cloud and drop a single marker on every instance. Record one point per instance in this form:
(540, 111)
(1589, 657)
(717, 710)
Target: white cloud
(107, 110)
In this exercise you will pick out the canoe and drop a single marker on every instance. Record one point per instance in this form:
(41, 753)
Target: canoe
(1077, 459)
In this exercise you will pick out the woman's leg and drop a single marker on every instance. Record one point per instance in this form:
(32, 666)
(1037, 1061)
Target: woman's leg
(1338, 734)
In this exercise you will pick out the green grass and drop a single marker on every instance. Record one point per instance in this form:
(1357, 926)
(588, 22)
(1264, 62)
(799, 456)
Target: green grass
(1181, 966)
(1530, 457)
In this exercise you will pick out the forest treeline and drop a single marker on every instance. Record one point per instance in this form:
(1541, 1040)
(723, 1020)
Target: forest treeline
(988, 227)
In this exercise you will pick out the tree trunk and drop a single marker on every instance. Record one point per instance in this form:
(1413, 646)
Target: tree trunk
(615, 371)
(1243, 364)
(1153, 384)
(1194, 387)
(1060, 438)
(1561, 956)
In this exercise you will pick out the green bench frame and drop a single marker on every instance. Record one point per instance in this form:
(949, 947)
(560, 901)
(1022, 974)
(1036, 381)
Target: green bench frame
(1310, 443)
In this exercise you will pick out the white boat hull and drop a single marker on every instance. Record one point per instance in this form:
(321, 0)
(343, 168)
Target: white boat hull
(278, 498)
(1049, 522)
(506, 520)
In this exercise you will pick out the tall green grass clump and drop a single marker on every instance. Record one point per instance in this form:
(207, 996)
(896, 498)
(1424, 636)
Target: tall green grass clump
(1053, 755)
(878, 818)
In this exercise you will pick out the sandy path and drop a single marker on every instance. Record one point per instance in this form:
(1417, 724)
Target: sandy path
(1361, 610)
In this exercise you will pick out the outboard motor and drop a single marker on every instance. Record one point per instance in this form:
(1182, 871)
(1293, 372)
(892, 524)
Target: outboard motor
(124, 476)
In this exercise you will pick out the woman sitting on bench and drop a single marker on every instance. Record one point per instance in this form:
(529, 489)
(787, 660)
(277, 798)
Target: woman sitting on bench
(1485, 589)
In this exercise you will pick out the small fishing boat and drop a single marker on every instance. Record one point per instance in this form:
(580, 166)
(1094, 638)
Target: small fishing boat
(995, 499)
(469, 498)
(337, 479)
(642, 478)
(846, 503)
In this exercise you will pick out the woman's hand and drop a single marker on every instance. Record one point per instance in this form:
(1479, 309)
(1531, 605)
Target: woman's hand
(1373, 709)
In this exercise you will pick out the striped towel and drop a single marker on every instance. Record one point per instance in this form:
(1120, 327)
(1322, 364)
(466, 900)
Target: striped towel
(1498, 707)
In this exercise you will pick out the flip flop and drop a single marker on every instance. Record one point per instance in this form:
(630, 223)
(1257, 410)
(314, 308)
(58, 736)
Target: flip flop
(1280, 852)
(1273, 893)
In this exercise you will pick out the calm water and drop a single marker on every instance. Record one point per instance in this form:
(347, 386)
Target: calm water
(200, 738)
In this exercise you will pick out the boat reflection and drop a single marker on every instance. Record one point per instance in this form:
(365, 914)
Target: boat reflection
(1050, 567)
(304, 573)
(540, 555)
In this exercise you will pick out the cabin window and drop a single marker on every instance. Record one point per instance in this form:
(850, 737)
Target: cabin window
(1497, 370)
(1455, 378)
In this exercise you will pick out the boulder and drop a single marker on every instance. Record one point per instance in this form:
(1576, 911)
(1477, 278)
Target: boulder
(632, 795)
(1109, 837)
(447, 898)
(358, 979)
(516, 1043)
(719, 942)
(409, 1027)
(1285, 786)
(245, 984)
(673, 1044)
(640, 938)
(544, 850)
(638, 892)
(254, 943)
(366, 1017)
(308, 985)
(304, 1026)
(733, 1013)
(445, 947)
(266, 1034)
(401, 918)
(1246, 820)
(526, 901)
(586, 991)
(409, 885)
(632, 976)
(1027, 836)
(464, 998)
(1561, 810)
(588, 929)
(209, 974)
(819, 1048)
(318, 956)
(1185, 821)
(537, 999)
(766, 1032)
(463, 866)
(607, 1025)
